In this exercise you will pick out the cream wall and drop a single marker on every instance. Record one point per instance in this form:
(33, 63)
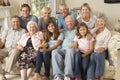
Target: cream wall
(15, 7)
(111, 10)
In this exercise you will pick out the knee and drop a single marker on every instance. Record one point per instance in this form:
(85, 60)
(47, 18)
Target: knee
(55, 53)
(70, 52)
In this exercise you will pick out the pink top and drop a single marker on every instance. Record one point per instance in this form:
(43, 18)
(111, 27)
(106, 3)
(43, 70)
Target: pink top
(83, 43)
(34, 38)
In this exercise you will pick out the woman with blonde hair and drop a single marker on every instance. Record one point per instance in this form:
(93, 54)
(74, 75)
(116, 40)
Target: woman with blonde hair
(86, 16)
(45, 18)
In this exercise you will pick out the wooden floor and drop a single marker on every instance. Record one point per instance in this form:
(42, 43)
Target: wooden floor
(17, 77)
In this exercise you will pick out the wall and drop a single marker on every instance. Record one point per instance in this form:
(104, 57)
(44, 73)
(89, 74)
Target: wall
(112, 11)
(15, 7)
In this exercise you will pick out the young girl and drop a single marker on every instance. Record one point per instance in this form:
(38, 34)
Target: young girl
(82, 57)
(55, 39)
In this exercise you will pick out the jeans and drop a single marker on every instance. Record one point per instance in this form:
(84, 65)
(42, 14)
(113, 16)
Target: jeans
(81, 65)
(97, 65)
(43, 57)
(58, 55)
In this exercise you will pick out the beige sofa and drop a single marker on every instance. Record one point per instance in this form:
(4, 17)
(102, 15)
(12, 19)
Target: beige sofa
(113, 72)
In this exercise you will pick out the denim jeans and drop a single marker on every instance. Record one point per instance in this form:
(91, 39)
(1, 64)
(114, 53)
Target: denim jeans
(81, 65)
(97, 65)
(43, 57)
(58, 57)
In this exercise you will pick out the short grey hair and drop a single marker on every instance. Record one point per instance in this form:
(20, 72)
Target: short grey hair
(102, 16)
(32, 22)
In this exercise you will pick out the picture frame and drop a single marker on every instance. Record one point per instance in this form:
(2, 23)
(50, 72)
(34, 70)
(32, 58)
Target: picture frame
(111, 1)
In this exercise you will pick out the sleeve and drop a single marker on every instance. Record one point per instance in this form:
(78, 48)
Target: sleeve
(106, 39)
(35, 19)
(4, 35)
(74, 16)
(61, 36)
(59, 21)
(76, 38)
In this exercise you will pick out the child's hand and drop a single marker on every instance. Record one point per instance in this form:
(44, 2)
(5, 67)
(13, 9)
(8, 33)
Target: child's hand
(89, 36)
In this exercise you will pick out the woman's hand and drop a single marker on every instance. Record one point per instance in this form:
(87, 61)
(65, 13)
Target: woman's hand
(20, 47)
(100, 49)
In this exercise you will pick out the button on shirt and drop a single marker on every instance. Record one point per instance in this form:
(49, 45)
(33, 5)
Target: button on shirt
(11, 37)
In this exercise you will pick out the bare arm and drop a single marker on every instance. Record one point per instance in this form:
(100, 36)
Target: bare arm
(74, 45)
(2, 42)
(58, 42)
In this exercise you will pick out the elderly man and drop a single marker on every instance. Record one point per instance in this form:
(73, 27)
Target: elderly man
(58, 55)
(9, 40)
(64, 11)
(26, 17)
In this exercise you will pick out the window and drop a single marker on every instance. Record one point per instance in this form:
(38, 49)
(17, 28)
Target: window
(37, 5)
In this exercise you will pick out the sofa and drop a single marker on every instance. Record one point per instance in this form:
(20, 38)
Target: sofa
(113, 71)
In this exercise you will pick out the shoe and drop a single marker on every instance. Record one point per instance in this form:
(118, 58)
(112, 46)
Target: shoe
(44, 78)
(67, 78)
(3, 77)
(58, 78)
(36, 77)
(77, 78)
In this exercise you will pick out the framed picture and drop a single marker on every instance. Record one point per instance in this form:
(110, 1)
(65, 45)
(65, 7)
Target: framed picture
(112, 1)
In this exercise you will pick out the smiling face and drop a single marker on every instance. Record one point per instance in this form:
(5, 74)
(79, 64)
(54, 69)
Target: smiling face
(83, 31)
(100, 23)
(46, 11)
(15, 23)
(85, 12)
(51, 27)
(25, 12)
(46, 15)
(32, 29)
(64, 10)
(69, 22)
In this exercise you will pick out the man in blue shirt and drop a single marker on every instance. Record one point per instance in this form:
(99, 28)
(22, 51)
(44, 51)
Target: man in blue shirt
(64, 11)
(26, 17)
(65, 53)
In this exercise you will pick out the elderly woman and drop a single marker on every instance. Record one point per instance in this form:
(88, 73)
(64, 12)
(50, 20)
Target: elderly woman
(45, 18)
(28, 47)
(102, 36)
(86, 16)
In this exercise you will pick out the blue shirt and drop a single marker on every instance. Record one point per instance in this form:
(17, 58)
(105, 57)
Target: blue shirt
(68, 38)
(52, 41)
(24, 22)
(61, 20)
